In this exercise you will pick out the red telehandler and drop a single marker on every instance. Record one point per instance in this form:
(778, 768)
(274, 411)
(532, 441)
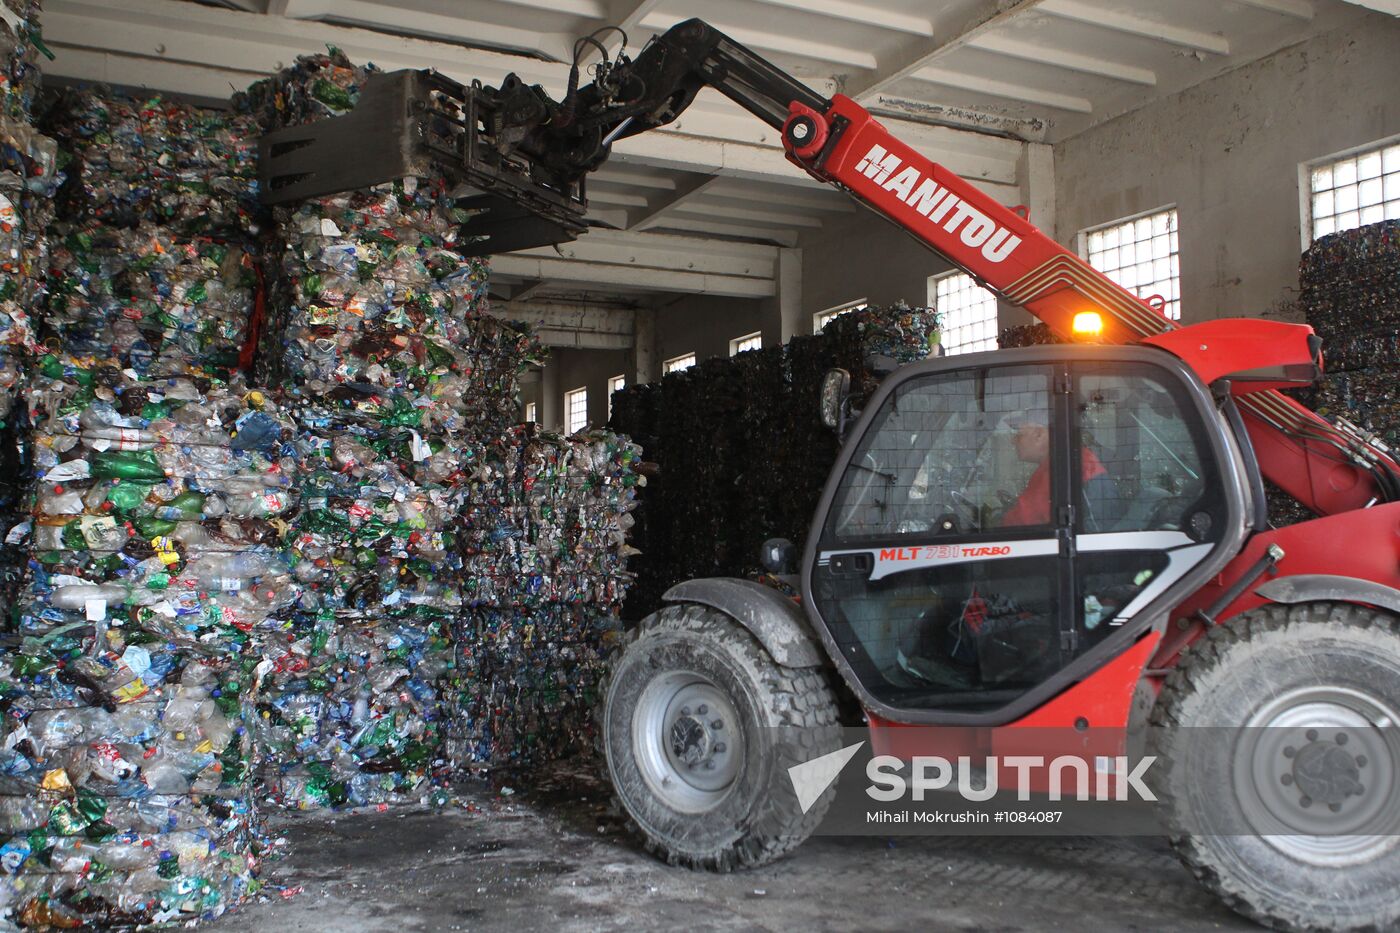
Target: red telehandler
(1064, 540)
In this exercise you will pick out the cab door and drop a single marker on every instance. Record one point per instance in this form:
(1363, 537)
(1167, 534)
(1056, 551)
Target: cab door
(985, 536)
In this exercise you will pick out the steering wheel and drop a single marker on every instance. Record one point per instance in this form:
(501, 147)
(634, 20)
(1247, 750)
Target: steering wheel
(1170, 513)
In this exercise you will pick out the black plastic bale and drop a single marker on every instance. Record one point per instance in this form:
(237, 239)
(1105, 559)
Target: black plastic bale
(742, 450)
(1026, 335)
(1349, 282)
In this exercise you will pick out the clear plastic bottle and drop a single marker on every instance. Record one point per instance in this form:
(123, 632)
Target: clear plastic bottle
(78, 597)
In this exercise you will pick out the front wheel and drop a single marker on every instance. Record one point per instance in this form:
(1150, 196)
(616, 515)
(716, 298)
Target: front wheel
(699, 727)
(1278, 740)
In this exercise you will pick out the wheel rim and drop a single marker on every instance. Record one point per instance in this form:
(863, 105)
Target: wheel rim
(687, 741)
(1316, 771)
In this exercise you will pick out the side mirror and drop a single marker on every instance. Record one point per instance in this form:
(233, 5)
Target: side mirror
(836, 385)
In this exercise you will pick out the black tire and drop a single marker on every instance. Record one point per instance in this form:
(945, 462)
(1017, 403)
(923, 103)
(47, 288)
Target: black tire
(786, 716)
(1318, 679)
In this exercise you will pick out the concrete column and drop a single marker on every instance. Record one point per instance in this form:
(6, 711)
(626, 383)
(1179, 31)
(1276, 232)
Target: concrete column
(789, 281)
(644, 346)
(1036, 177)
(1035, 174)
(551, 402)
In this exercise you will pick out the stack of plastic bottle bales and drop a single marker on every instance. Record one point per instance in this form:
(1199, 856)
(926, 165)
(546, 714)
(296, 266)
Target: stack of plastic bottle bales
(742, 449)
(1349, 285)
(544, 542)
(234, 592)
(27, 178)
(395, 377)
(127, 792)
(152, 264)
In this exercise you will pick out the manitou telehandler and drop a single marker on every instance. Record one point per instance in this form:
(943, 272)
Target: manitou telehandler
(1055, 540)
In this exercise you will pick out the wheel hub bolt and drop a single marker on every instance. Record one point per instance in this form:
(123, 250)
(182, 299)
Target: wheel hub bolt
(702, 709)
(719, 748)
(717, 724)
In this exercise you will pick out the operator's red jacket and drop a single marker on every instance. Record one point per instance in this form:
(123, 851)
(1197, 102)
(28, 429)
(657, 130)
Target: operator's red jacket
(1033, 505)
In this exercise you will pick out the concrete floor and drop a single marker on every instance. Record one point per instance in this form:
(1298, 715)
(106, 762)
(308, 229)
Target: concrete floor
(558, 861)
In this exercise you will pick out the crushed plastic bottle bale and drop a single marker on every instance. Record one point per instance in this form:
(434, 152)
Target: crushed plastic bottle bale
(544, 539)
(154, 161)
(157, 306)
(546, 520)
(527, 685)
(743, 454)
(152, 259)
(127, 792)
(1349, 290)
(353, 711)
(375, 302)
(372, 296)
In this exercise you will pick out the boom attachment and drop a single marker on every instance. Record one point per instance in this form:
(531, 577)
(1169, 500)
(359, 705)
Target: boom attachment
(518, 157)
(416, 123)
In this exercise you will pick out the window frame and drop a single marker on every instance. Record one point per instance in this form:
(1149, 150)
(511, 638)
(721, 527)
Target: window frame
(736, 346)
(674, 364)
(827, 315)
(532, 413)
(965, 347)
(1305, 191)
(569, 396)
(1082, 248)
(615, 384)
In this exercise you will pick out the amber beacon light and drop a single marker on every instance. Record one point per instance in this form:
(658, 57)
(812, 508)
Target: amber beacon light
(1087, 325)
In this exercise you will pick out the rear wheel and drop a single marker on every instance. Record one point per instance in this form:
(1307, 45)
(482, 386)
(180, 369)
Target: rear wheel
(699, 727)
(1278, 752)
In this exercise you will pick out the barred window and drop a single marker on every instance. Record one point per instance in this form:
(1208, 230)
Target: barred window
(967, 313)
(823, 318)
(575, 410)
(676, 363)
(1355, 190)
(615, 384)
(752, 341)
(1141, 254)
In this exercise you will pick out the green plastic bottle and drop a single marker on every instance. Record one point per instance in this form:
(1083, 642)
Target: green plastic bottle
(127, 464)
(127, 496)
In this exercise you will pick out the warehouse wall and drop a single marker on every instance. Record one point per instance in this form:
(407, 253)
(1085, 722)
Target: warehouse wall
(862, 255)
(567, 370)
(1227, 154)
(704, 325)
(698, 324)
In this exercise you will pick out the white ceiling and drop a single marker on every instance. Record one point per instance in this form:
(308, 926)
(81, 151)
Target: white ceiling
(975, 84)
